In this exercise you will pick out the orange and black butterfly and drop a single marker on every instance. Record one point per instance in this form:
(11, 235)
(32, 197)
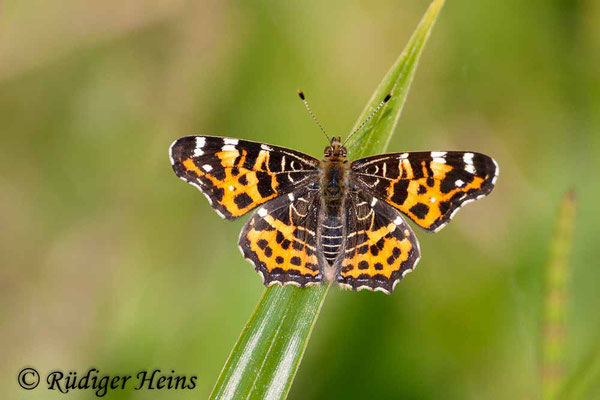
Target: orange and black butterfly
(331, 219)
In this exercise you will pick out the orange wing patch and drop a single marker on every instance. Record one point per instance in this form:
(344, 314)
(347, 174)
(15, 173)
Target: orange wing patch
(428, 187)
(423, 203)
(236, 188)
(381, 248)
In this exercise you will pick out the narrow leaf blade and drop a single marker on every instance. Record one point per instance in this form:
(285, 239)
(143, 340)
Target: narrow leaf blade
(266, 357)
(271, 345)
(377, 133)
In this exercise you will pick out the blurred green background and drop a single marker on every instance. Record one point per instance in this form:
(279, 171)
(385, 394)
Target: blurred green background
(108, 260)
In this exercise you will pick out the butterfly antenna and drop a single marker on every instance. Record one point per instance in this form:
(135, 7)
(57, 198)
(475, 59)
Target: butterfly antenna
(362, 125)
(301, 94)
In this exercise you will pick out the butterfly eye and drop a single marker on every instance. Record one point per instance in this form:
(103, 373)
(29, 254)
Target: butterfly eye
(328, 151)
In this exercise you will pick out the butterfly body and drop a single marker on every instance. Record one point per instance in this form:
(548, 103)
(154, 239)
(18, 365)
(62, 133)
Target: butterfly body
(331, 219)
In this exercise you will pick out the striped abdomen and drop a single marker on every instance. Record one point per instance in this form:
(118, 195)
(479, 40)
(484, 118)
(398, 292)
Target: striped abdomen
(331, 237)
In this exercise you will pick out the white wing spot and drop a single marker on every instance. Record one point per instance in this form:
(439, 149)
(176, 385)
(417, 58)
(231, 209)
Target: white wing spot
(291, 196)
(468, 158)
(231, 188)
(404, 155)
(231, 141)
(432, 200)
(265, 147)
(207, 167)
(200, 142)
(262, 212)
(398, 221)
(373, 202)
(459, 183)
(439, 157)
(228, 147)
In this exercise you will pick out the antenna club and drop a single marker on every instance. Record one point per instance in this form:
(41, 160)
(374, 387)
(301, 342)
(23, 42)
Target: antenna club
(301, 94)
(366, 120)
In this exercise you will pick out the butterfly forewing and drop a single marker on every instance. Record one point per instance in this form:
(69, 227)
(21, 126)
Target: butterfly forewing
(280, 239)
(238, 175)
(380, 246)
(428, 187)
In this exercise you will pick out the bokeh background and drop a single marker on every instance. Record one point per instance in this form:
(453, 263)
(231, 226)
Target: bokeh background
(108, 260)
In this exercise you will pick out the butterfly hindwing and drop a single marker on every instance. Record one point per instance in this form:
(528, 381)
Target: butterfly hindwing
(280, 239)
(238, 175)
(380, 246)
(428, 187)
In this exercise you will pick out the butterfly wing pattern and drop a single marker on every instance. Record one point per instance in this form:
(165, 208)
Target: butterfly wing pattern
(331, 220)
(380, 246)
(238, 175)
(280, 239)
(428, 187)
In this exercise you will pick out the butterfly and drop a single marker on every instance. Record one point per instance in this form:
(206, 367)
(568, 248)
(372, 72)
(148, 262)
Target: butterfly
(331, 220)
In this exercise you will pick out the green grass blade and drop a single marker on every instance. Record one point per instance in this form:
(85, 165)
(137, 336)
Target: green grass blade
(556, 283)
(377, 133)
(267, 355)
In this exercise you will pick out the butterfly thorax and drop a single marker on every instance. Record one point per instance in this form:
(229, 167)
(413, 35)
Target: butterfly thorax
(334, 181)
(334, 175)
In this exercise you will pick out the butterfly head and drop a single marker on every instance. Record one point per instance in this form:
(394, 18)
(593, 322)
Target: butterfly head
(335, 150)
